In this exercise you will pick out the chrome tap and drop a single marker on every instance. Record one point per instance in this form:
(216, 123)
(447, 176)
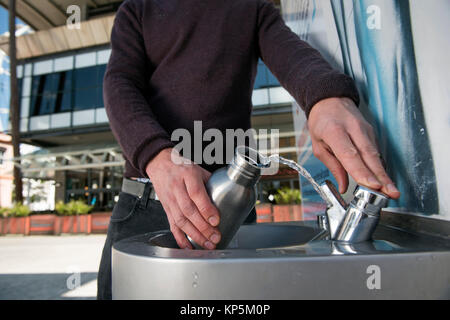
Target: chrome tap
(353, 222)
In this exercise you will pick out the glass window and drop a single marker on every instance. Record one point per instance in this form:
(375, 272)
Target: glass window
(44, 89)
(100, 102)
(85, 99)
(33, 102)
(36, 85)
(271, 80)
(51, 82)
(101, 74)
(265, 78)
(65, 81)
(47, 105)
(260, 80)
(78, 89)
(86, 78)
(19, 88)
(64, 98)
(45, 83)
(64, 101)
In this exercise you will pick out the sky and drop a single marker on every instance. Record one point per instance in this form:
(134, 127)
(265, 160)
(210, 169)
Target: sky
(4, 78)
(4, 72)
(4, 82)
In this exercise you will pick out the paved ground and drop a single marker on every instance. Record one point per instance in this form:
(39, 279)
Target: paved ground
(49, 267)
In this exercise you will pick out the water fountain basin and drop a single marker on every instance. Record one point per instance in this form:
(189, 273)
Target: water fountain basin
(285, 261)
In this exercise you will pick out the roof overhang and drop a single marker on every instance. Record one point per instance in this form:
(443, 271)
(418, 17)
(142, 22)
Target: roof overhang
(47, 14)
(49, 19)
(93, 32)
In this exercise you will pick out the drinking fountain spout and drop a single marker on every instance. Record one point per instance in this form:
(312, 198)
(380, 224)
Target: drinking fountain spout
(353, 222)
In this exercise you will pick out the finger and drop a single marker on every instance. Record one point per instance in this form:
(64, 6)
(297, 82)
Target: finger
(371, 158)
(179, 235)
(347, 154)
(181, 239)
(333, 164)
(373, 138)
(388, 189)
(197, 192)
(183, 223)
(189, 210)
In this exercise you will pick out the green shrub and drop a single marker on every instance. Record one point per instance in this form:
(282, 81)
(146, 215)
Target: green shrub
(19, 210)
(71, 208)
(61, 208)
(4, 212)
(74, 207)
(82, 208)
(288, 196)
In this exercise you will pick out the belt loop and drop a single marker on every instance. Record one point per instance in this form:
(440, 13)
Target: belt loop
(146, 194)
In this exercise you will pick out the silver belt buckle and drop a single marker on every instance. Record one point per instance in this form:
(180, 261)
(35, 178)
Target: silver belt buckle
(153, 194)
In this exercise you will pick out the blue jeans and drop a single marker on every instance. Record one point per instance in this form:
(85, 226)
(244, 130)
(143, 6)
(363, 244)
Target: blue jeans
(132, 216)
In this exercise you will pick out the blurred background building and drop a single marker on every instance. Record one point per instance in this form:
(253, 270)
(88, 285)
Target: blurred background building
(60, 75)
(6, 177)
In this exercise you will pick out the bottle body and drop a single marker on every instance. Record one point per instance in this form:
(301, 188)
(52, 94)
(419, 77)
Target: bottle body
(232, 190)
(233, 199)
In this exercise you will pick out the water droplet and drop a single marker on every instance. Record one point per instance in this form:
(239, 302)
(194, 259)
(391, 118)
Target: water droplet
(195, 275)
(194, 284)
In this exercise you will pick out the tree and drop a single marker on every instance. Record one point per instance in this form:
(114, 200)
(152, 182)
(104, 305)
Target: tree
(14, 106)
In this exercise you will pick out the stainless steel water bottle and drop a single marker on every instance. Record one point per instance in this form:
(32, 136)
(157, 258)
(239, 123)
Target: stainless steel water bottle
(233, 191)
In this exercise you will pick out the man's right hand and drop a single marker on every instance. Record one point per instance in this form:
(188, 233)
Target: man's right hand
(180, 186)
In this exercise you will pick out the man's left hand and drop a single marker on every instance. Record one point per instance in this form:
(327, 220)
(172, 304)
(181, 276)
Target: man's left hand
(345, 142)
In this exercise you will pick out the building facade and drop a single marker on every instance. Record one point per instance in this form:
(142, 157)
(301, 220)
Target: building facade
(6, 167)
(60, 76)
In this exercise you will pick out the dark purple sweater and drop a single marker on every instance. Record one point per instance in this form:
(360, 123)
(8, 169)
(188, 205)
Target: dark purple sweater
(177, 61)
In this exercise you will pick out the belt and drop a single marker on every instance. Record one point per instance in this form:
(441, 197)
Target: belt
(137, 188)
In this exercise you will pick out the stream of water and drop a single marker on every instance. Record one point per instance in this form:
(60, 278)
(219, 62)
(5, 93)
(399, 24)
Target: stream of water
(294, 165)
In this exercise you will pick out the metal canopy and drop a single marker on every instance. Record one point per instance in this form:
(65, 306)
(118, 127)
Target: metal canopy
(44, 163)
(46, 14)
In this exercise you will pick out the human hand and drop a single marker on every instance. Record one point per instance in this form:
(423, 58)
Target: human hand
(345, 142)
(180, 186)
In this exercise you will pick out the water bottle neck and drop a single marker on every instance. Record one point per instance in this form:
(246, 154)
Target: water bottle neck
(243, 172)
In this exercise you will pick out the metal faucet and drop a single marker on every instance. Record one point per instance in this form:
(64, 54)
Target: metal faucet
(353, 222)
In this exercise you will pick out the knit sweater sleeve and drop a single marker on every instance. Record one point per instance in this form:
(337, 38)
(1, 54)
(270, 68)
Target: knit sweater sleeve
(300, 69)
(125, 91)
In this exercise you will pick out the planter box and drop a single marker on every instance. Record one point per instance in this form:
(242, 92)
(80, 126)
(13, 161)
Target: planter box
(297, 212)
(100, 222)
(287, 212)
(42, 224)
(264, 213)
(16, 225)
(73, 224)
(282, 212)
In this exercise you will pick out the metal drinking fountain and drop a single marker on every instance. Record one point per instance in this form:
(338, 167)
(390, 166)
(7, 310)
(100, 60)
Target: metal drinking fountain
(353, 222)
